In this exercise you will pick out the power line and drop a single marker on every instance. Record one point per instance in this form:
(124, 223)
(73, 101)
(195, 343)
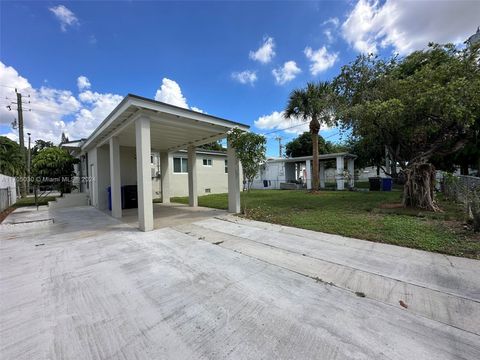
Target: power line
(287, 128)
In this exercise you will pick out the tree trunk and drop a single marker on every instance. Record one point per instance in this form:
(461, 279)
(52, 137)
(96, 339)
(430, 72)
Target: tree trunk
(314, 129)
(418, 191)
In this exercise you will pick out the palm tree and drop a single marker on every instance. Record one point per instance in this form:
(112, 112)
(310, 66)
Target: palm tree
(312, 104)
(11, 161)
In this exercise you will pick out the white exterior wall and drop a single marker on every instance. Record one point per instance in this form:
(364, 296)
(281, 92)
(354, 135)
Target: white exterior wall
(208, 177)
(8, 182)
(371, 171)
(129, 177)
(271, 174)
(99, 158)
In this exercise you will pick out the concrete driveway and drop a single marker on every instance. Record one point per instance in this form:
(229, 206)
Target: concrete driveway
(90, 287)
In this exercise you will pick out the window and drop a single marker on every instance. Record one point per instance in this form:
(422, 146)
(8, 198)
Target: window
(207, 162)
(208, 190)
(226, 166)
(180, 165)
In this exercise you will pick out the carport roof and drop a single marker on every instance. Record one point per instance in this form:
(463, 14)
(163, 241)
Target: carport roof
(173, 127)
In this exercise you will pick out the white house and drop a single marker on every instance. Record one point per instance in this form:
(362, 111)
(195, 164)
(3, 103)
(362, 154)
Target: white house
(212, 173)
(291, 173)
(118, 154)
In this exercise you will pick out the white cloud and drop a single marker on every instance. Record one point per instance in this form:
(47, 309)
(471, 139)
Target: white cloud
(408, 26)
(277, 121)
(286, 73)
(66, 17)
(83, 83)
(245, 77)
(95, 107)
(197, 110)
(329, 35)
(53, 111)
(171, 93)
(320, 59)
(334, 21)
(264, 53)
(331, 25)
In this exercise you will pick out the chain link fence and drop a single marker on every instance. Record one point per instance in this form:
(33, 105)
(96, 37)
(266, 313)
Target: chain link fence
(466, 190)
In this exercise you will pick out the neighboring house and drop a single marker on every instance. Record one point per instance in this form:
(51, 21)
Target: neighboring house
(292, 173)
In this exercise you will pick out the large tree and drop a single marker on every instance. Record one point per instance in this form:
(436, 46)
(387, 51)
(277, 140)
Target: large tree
(420, 106)
(312, 104)
(302, 146)
(54, 166)
(250, 149)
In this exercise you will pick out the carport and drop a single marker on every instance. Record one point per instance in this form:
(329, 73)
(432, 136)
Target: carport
(119, 151)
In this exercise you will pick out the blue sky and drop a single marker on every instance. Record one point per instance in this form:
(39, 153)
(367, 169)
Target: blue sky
(238, 60)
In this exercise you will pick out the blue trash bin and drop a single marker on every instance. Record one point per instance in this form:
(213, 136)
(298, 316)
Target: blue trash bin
(387, 184)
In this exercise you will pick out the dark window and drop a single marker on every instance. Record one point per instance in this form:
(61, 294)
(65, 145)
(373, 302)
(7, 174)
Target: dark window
(180, 165)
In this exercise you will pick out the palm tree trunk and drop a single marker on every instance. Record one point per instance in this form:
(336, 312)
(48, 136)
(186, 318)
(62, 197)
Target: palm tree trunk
(314, 129)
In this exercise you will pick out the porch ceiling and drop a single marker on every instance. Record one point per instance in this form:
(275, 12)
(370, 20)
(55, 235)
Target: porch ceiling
(171, 128)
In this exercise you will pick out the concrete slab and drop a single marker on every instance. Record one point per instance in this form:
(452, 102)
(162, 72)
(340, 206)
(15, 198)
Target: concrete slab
(100, 289)
(28, 216)
(172, 214)
(313, 258)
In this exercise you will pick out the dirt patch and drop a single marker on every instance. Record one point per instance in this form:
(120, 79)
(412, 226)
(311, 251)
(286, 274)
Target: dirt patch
(5, 213)
(462, 228)
(391, 206)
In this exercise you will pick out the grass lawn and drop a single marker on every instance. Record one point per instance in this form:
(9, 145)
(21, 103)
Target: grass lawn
(30, 201)
(374, 216)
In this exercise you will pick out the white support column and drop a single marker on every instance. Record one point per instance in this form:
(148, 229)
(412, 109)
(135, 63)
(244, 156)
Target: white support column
(233, 180)
(308, 174)
(165, 172)
(192, 177)
(144, 174)
(322, 174)
(339, 177)
(351, 170)
(115, 184)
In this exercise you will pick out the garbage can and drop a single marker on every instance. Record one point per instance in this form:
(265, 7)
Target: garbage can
(387, 184)
(375, 183)
(129, 197)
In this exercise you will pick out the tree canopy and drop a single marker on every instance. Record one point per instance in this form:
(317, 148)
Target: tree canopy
(216, 146)
(419, 107)
(11, 160)
(303, 146)
(250, 149)
(56, 166)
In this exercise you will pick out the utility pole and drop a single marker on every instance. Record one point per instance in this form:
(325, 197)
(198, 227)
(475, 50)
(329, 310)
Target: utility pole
(29, 163)
(280, 146)
(20, 138)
